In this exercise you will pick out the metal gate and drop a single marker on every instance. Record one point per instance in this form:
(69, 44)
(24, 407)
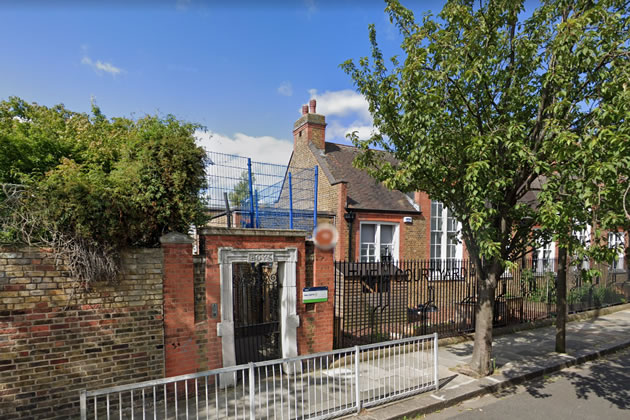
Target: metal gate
(256, 297)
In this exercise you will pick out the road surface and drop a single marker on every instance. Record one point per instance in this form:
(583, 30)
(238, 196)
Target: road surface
(596, 390)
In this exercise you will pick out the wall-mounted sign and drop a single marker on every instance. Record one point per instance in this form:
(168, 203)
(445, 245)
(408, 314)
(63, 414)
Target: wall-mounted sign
(314, 294)
(260, 257)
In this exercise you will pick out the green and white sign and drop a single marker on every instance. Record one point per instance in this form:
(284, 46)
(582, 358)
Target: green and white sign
(314, 294)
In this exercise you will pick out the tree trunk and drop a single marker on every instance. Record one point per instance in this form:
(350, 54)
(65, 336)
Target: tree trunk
(481, 362)
(561, 303)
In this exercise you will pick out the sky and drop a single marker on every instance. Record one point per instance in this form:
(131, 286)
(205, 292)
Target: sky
(242, 69)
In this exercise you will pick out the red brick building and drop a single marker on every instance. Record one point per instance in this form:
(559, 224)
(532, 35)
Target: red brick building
(373, 221)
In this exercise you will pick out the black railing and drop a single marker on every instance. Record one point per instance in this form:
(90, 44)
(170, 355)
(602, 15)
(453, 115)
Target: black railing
(380, 301)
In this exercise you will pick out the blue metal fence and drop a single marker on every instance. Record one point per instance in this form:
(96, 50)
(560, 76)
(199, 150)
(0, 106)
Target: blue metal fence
(261, 195)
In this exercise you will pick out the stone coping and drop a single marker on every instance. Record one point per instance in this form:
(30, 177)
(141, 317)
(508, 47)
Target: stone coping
(224, 231)
(176, 238)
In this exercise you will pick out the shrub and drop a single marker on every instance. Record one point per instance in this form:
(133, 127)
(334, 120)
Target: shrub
(92, 185)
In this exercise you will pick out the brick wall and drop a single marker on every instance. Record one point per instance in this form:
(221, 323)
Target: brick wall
(342, 249)
(315, 333)
(54, 343)
(414, 245)
(411, 236)
(157, 320)
(194, 346)
(181, 349)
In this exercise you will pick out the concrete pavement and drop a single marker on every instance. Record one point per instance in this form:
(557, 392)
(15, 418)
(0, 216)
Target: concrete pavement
(519, 357)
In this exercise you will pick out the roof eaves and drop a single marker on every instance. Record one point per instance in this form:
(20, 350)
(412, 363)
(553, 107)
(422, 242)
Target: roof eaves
(413, 203)
(360, 209)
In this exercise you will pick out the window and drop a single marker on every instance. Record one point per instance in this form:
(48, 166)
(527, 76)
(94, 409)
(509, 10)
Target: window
(616, 240)
(445, 245)
(584, 237)
(543, 257)
(379, 241)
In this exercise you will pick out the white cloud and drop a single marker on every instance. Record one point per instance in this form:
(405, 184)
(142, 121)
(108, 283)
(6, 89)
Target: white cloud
(346, 111)
(261, 149)
(102, 66)
(336, 130)
(342, 103)
(285, 88)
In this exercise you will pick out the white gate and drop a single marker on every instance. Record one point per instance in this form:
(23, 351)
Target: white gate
(315, 386)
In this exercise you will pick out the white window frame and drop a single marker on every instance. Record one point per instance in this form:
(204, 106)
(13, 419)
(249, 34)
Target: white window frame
(459, 249)
(584, 236)
(615, 239)
(377, 235)
(538, 254)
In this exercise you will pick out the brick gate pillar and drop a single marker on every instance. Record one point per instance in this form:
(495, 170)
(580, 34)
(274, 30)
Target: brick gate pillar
(316, 319)
(180, 348)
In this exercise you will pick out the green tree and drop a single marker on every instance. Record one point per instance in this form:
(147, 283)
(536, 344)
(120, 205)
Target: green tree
(93, 185)
(240, 191)
(477, 111)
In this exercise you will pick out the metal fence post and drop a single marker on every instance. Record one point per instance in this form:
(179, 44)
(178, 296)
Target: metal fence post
(290, 203)
(256, 207)
(252, 402)
(251, 192)
(228, 212)
(435, 362)
(83, 404)
(357, 376)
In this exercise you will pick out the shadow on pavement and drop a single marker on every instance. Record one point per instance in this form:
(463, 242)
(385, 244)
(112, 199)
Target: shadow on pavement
(445, 381)
(607, 378)
(461, 350)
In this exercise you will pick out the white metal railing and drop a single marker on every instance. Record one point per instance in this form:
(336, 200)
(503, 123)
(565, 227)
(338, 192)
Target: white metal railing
(315, 386)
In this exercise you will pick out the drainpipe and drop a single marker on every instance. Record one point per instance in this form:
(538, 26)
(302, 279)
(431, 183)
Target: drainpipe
(349, 217)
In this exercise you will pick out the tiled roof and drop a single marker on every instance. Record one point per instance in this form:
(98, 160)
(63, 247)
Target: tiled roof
(364, 192)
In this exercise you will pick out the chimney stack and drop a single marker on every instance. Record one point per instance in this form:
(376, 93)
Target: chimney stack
(310, 127)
